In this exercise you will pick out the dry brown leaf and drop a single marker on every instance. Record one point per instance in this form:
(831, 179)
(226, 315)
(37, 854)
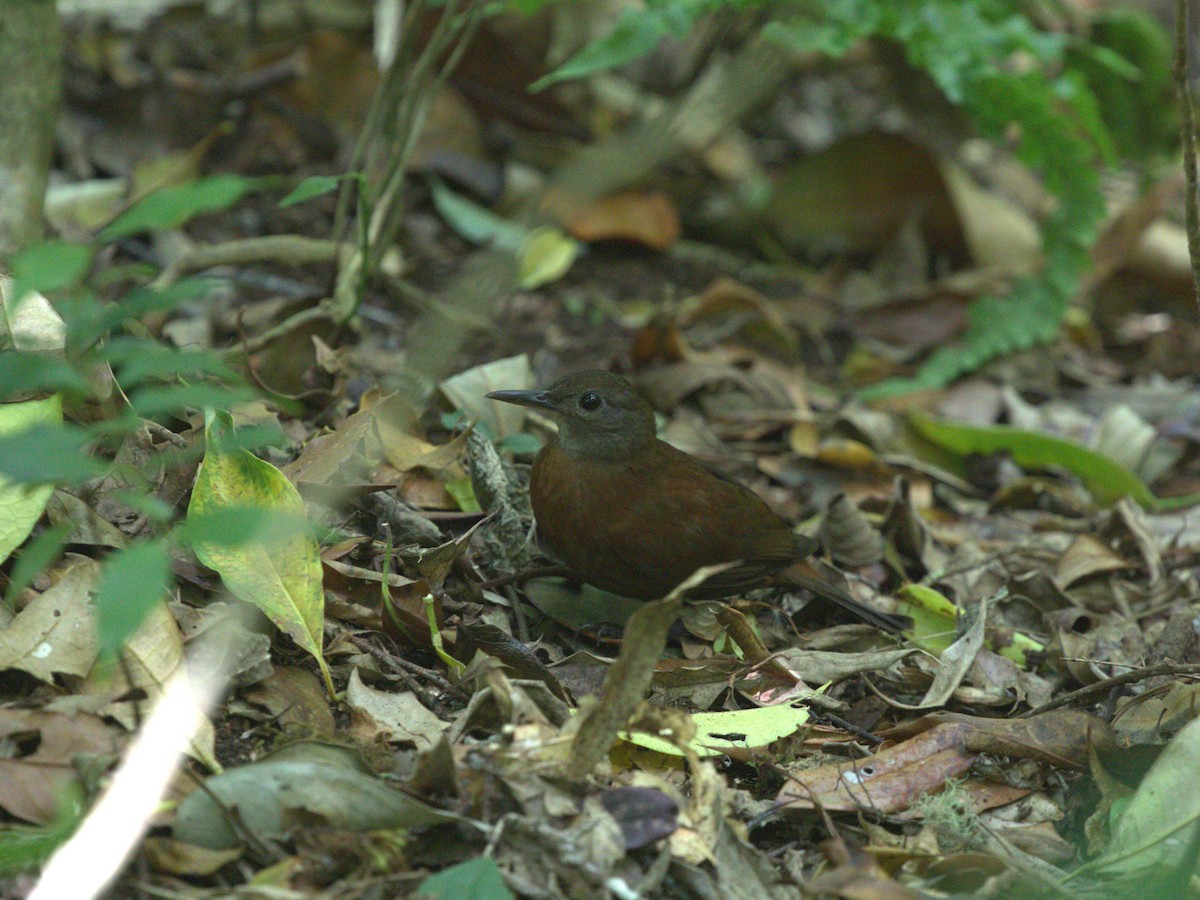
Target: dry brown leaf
(1085, 557)
(394, 716)
(32, 783)
(646, 217)
(56, 632)
(296, 702)
(890, 781)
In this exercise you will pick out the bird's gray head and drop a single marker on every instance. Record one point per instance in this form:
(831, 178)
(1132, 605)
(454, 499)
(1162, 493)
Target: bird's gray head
(599, 415)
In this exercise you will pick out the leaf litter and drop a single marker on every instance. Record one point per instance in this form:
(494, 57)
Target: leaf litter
(440, 720)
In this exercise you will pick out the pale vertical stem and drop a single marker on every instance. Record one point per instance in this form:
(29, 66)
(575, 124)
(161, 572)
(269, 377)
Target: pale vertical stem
(1183, 84)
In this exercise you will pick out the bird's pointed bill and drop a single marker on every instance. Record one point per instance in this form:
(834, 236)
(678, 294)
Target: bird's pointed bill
(535, 399)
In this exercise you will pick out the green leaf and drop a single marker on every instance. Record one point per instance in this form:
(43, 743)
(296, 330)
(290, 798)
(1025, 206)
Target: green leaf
(51, 265)
(839, 26)
(279, 570)
(155, 400)
(963, 46)
(1126, 62)
(88, 321)
(232, 526)
(546, 255)
(475, 879)
(136, 360)
(45, 454)
(172, 206)
(637, 33)
(1108, 481)
(474, 223)
(133, 581)
(21, 505)
(1153, 848)
(522, 443)
(36, 557)
(34, 373)
(935, 625)
(755, 728)
(313, 186)
(24, 848)
(463, 493)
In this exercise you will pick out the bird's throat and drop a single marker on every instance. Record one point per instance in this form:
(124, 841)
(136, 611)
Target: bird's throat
(584, 442)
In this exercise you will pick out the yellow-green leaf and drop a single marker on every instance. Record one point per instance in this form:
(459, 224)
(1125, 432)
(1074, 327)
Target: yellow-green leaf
(21, 505)
(935, 621)
(546, 255)
(734, 730)
(278, 569)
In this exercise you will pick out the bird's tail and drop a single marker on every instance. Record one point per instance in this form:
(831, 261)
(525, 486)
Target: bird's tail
(802, 575)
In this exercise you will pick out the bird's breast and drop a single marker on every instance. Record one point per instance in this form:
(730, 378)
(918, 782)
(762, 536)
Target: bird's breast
(640, 526)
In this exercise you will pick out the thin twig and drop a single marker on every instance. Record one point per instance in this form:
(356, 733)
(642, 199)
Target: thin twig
(401, 669)
(1094, 692)
(524, 575)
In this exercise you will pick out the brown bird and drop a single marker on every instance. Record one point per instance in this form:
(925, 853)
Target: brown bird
(634, 516)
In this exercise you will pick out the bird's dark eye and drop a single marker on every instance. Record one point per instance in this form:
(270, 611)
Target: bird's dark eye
(590, 401)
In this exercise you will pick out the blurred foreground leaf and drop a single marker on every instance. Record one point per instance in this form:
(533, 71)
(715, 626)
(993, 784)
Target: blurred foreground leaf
(479, 879)
(24, 847)
(134, 580)
(172, 206)
(1153, 848)
(22, 505)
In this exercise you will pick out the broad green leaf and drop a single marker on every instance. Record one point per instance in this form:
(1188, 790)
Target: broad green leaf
(23, 374)
(21, 505)
(172, 206)
(314, 186)
(48, 453)
(463, 492)
(138, 360)
(228, 527)
(476, 879)
(1153, 847)
(133, 581)
(522, 443)
(754, 728)
(935, 619)
(1107, 481)
(150, 401)
(578, 606)
(279, 570)
(51, 265)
